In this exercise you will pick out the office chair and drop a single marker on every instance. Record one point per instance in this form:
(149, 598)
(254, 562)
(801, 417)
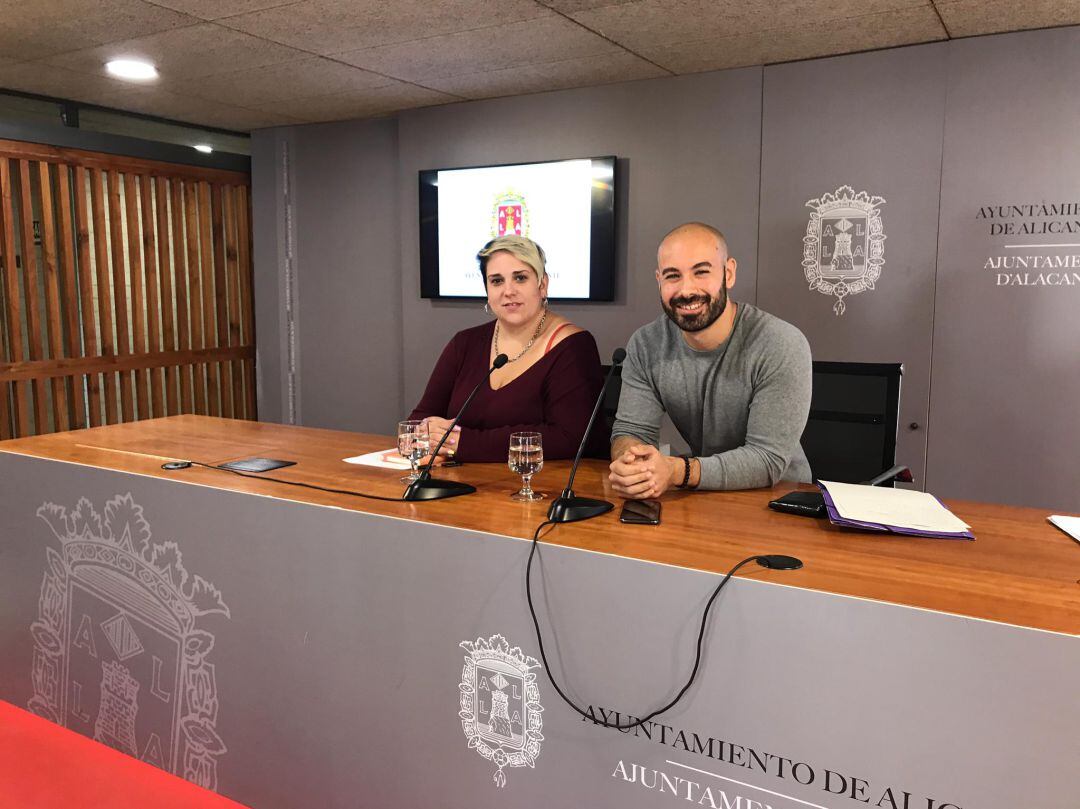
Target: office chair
(850, 436)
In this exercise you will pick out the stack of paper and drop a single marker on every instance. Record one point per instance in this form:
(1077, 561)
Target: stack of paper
(1070, 525)
(383, 459)
(900, 511)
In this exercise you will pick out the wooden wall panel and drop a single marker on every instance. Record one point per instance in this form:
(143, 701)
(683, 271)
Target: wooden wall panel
(125, 290)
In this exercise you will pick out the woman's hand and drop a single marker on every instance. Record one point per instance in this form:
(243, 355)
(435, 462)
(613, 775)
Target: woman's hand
(437, 428)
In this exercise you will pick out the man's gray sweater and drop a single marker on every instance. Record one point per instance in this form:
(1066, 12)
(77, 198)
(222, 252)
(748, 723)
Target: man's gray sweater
(741, 407)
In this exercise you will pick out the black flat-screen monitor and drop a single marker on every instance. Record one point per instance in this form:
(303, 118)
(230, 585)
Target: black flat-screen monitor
(565, 206)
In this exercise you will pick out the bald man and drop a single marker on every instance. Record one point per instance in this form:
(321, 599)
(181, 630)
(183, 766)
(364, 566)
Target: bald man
(734, 380)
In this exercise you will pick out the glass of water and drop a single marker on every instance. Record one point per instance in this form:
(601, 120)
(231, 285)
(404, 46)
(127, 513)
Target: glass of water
(413, 443)
(526, 459)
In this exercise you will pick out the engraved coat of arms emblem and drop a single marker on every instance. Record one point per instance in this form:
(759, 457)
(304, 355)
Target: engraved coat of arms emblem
(500, 704)
(118, 653)
(844, 245)
(509, 215)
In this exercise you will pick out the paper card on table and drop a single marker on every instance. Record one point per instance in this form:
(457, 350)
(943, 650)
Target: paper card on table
(1070, 525)
(893, 508)
(383, 459)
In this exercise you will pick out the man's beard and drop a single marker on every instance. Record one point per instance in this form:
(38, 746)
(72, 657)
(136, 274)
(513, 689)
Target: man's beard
(702, 319)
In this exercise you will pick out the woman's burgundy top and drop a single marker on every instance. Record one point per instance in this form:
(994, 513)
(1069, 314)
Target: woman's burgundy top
(554, 397)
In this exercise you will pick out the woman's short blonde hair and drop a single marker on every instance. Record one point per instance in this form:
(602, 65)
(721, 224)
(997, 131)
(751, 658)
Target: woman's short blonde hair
(519, 247)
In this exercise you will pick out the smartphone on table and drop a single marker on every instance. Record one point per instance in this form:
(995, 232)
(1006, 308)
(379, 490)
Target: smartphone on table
(641, 512)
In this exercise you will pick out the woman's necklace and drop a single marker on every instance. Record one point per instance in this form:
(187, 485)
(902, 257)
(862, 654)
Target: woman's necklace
(528, 345)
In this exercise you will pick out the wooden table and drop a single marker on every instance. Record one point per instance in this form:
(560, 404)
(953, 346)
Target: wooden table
(1020, 570)
(288, 646)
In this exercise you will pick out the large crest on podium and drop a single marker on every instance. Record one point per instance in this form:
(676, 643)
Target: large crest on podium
(500, 704)
(844, 245)
(118, 653)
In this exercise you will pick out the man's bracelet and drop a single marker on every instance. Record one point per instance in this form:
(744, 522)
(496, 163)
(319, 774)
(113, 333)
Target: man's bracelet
(686, 471)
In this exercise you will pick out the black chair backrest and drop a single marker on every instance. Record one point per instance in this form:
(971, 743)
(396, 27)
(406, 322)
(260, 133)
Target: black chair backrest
(851, 433)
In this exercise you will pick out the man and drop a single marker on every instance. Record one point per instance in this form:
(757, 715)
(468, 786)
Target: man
(734, 380)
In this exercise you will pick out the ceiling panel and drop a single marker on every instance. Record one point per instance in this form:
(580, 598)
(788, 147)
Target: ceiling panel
(198, 50)
(217, 9)
(31, 29)
(34, 77)
(970, 17)
(570, 6)
(583, 72)
(164, 104)
(251, 63)
(263, 85)
(676, 22)
(334, 26)
(548, 39)
(360, 103)
(867, 32)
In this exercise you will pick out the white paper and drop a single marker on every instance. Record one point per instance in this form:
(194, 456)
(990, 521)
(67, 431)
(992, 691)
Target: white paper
(1070, 525)
(383, 459)
(899, 508)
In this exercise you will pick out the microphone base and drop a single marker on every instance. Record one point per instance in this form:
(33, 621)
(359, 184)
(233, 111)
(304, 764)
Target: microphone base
(574, 509)
(434, 489)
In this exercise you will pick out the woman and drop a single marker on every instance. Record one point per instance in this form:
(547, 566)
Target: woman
(549, 385)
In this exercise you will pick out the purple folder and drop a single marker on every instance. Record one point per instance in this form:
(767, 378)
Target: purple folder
(836, 519)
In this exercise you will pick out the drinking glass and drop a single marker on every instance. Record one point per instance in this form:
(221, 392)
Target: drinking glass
(413, 443)
(526, 459)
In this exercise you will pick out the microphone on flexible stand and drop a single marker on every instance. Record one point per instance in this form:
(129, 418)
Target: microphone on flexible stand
(568, 507)
(426, 487)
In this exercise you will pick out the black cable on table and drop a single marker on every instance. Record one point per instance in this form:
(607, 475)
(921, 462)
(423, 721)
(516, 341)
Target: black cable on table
(258, 476)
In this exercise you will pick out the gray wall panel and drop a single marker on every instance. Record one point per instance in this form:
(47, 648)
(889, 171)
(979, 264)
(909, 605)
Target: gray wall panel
(338, 207)
(1007, 357)
(348, 268)
(873, 122)
(268, 248)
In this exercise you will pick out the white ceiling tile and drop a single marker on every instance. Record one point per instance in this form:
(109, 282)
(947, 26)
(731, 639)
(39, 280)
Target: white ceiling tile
(360, 104)
(191, 52)
(884, 30)
(263, 85)
(972, 17)
(674, 22)
(583, 72)
(547, 39)
(32, 29)
(335, 26)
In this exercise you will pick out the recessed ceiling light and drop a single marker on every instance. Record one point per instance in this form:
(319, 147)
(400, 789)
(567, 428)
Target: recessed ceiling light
(132, 69)
(202, 147)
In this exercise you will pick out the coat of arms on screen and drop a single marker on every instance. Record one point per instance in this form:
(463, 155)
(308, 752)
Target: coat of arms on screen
(844, 245)
(509, 215)
(500, 704)
(117, 652)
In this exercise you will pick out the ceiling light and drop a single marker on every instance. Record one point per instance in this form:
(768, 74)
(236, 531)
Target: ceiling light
(202, 147)
(132, 69)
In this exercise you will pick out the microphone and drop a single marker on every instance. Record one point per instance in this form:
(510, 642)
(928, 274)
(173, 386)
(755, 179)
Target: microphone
(426, 487)
(568, 507)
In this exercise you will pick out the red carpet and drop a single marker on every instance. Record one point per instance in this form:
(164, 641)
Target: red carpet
(45, 766)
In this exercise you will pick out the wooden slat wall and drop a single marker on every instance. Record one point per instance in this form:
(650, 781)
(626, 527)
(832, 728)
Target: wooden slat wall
(125, 290)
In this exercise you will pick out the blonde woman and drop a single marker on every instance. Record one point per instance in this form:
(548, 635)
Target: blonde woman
(550, 383)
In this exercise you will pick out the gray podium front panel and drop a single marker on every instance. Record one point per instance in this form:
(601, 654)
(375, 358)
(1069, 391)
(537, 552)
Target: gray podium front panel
(291, 655)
